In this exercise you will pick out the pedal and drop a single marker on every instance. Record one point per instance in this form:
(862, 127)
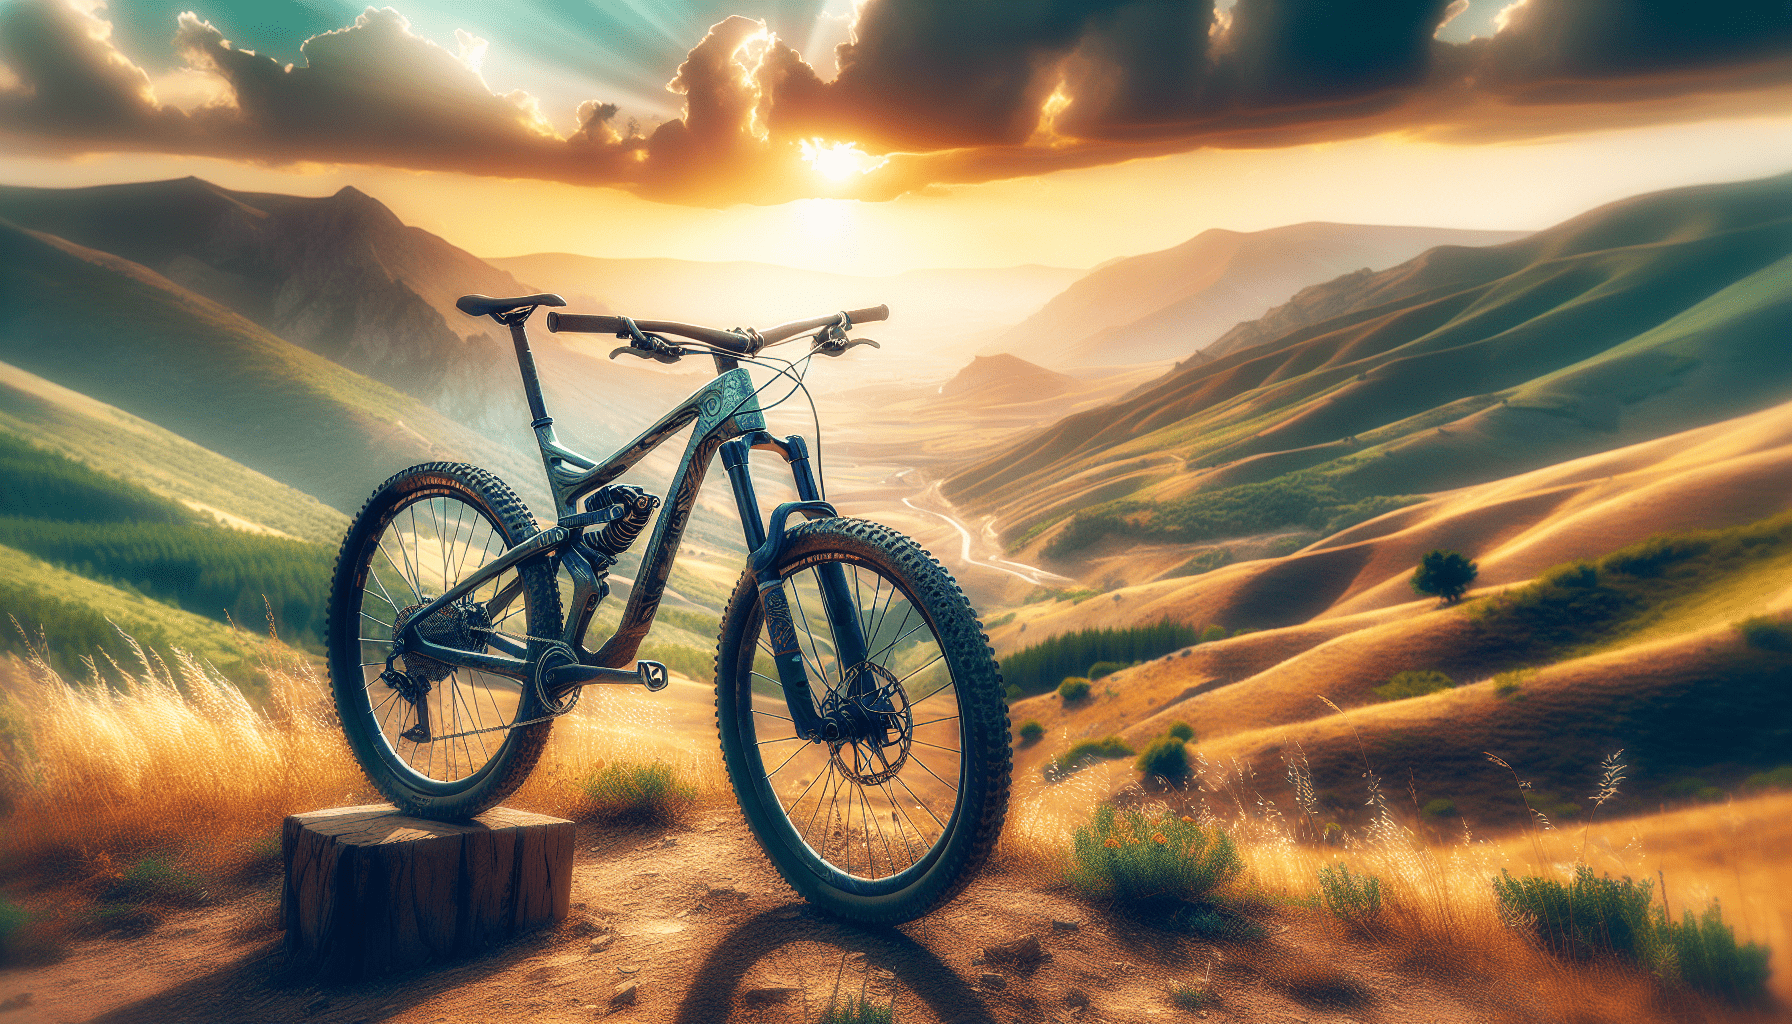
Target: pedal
(653, 675)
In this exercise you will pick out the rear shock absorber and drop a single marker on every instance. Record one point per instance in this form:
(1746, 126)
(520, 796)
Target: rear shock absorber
(619, 534)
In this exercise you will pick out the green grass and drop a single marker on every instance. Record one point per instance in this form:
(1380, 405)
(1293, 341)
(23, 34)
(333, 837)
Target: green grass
(1144, 861)
(1108, 748)
(1405, 685)
(860, 1010)
(1576, 606)
(77, 618)
(651, 790)
(40, 484)
(155, 880)
(1073, 689)
(1707, 958)
(1031, 731)
(1189, 997)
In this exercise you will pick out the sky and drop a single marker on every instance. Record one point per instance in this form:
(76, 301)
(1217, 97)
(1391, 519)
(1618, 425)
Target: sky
(884, 135)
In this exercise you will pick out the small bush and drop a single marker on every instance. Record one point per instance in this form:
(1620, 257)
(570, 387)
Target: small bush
(1691, 787)
(1505, 684)
(1188, 997)
(1108, 748)
(1442, 807)
(1584, 918)
(1212, 633)
(1031, 730)
(1778, 778)
(1142, 860)
(1766, 633)
(1708, 959)
(652, 789)
(155, 880)
(1105, 668)
(1413, 684)
(1013, 693)
(1073, 688)
(1183, 731)
(1165, 757)
(1353, 899)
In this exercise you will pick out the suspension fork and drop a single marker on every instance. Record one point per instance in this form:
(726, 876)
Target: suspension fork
(766, 542)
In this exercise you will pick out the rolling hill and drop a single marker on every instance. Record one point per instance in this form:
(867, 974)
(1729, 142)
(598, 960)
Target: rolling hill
(131, 338)
(1166, 305)
(1633, 321)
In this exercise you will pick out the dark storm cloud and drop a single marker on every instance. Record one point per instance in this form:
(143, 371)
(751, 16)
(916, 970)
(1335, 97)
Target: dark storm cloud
(950, 91)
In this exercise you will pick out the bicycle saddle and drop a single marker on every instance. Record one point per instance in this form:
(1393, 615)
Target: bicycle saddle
(485, 305)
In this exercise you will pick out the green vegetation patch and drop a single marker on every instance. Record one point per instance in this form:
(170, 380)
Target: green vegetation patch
(1073, 689)
(39, 484)
(1408, 684)
(1583, 603)
(1031, 731)
(1164, 758)
(652, 790)
(1044, 665)
(1307, 499)
(1353, 899)
(1086, 752)
(1141, 860)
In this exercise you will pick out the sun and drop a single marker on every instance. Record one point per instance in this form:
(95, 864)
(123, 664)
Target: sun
(839, 161)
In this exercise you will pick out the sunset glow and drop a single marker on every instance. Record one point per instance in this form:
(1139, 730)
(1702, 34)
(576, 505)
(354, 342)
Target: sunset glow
(840, 160)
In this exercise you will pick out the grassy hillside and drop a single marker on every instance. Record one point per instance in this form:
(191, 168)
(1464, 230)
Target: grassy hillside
(129, 337)
(77, 616)
(158, 460)
(1168, 304)
(1653, 315)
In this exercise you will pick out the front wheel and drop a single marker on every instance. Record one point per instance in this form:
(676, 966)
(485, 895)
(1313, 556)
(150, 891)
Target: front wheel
(884, 827)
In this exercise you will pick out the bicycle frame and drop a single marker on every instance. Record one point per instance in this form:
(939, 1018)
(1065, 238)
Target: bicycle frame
(727, 418)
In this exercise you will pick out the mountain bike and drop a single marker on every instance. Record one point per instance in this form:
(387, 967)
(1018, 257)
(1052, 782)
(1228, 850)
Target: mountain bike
(861, 712)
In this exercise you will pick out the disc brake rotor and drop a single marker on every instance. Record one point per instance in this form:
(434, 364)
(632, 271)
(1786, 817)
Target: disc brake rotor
(874, 758)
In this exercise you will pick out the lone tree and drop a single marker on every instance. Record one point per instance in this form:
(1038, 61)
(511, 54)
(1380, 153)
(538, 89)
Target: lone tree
(1444, 574)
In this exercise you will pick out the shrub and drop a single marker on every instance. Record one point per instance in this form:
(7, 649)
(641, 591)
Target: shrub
(1505, 684)
(1073, 688)
(1188, 997)
(651, 789)
(1405, 685)
(1212, 633)
(1691, 787)
(1142, 860)
(1585, 917)
(1766, 633)
(1013, 693)
(1444, 574)
(1108, 748)
(1165, 757)
(1708, 959)
(1031, 730)
(1442, 807)
(1183, 731)
(1353, 899)
(1778, 778)
(1105, 668)
(155, 880)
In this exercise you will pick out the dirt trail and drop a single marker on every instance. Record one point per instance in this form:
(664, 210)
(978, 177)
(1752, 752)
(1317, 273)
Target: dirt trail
(696, 918)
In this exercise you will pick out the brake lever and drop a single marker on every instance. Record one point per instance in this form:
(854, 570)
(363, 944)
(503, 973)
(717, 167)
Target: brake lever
(839, 348)
(665, 355)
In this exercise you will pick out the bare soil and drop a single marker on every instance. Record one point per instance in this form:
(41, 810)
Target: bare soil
(694, 916)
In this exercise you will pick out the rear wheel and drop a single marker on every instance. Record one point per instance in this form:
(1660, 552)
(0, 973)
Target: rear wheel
(887, 826)
(436, 739)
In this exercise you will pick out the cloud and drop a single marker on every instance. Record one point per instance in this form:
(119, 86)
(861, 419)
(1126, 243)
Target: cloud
(947, 92)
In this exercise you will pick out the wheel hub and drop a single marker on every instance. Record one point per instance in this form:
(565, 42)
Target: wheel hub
(875, 726)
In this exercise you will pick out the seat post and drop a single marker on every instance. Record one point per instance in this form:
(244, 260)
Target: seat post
(525, 361)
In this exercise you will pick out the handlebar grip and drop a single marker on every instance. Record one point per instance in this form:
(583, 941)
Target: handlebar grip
(857, 316)
(584, 323)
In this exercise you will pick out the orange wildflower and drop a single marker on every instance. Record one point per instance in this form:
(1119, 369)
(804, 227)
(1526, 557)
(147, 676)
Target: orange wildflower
(1112, 843)
(1187, 820)
(1158, 838)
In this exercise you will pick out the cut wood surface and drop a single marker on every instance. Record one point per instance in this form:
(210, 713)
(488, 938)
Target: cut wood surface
(369, 890)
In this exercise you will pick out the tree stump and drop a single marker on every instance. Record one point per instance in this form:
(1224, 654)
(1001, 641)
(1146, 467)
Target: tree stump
(369, 891)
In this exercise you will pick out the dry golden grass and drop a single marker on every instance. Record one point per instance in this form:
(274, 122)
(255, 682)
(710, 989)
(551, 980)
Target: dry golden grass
(174, 760)
(165, 758)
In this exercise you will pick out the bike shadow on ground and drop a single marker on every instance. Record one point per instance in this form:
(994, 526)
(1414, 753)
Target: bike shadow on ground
(264, 984)
(715, 992)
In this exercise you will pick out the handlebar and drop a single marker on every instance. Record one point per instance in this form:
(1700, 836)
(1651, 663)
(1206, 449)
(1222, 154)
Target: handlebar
(744, 343)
